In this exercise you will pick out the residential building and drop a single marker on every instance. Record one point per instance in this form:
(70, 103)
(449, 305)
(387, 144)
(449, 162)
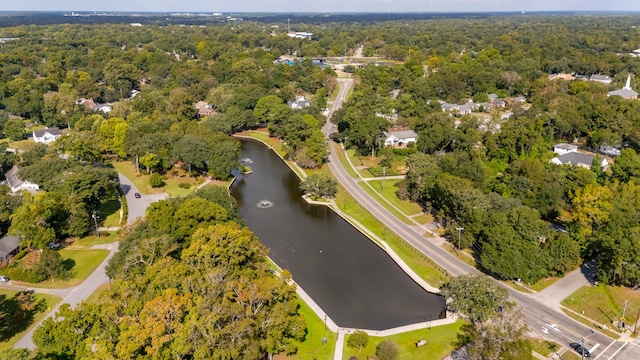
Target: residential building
(9, 245)
(575, 158)
(600, 78)
(204, 109)
(18, 185)
(609, 150)
(562, 149)
(46, 135)
(299, 103)
(400, 138)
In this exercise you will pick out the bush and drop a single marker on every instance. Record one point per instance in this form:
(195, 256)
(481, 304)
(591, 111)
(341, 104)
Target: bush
(358, 340)
(19, 273)
(21, 254)
(387, 350)
(405, 151)
(156, 180)
(184, 185)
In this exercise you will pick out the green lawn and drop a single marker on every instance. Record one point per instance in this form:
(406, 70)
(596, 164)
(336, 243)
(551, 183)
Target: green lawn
(422, 265)
(109, 214)
(18, 327)
(343, 160)
(263, 135)
(105, 238)
(378, 198)
(544, 347)
(81, 262)
(311, 347)
(357, 162)
(23, 145)
(389, 191)
(173, 188)
(128, 169)
(604, 304)
(440, 341)
(95, 297)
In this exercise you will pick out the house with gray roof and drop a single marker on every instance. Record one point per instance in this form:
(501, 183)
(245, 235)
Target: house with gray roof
(300, 103)
(600, 78)
(400, 138)
(562, 149)
(575, 158)
(18, 185)
(9, 245)
(46, 135)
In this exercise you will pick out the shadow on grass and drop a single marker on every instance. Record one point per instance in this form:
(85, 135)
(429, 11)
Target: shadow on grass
(17, 313)
(69, 264)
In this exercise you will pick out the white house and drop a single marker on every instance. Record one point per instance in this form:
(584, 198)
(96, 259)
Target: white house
(300, 103)
(575, 158)
(400, 138)
(18, 185)
(600, 78)
(46, 135)
(562, 149)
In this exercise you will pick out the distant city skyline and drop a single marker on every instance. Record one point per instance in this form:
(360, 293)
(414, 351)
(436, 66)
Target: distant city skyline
(331, 6)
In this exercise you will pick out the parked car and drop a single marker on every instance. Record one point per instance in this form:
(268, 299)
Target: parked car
(580, 349)
(137, 195)
(4, 279)
(53, 245)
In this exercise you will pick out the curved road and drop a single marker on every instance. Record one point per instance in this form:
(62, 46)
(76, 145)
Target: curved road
(547, 322)
(76, 295)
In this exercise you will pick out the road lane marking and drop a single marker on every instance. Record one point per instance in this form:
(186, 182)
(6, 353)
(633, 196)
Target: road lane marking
(605, 350)
(617, 351)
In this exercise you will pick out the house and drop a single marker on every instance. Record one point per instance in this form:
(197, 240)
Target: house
(299, 103)
(18, 185)
(561, 76)
(46, 135)
(105, 108)
(609, 150)
(9, 245)
(495, 101)
(520, 100)
(399, 138)
(626, 92)
(204, 109)
(600, 78)
(575, 158)
(463, 109)
(562, 149)
(635, 53)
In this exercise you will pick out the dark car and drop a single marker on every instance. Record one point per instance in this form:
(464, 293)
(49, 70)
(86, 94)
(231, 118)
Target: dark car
(580, 349)
(137, 195)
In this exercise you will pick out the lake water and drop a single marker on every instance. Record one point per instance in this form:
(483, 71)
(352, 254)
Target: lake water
(354, 281)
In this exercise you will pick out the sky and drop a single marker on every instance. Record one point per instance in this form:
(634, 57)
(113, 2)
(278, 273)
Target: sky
(332, 6)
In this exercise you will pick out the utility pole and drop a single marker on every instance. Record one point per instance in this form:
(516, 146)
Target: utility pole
(137, 166)
(624, 311)
(384, 177)
(635, 327)
(459, 235)
(95, 221)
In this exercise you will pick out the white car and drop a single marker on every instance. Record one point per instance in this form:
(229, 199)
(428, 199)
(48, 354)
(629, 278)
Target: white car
(4, 279)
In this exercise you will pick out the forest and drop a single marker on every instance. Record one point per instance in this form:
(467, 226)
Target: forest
(488, 174)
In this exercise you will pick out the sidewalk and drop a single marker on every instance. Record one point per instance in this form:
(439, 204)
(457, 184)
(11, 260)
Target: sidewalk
(553, 295)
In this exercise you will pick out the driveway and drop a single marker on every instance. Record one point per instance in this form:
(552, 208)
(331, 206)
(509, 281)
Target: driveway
(137, 206)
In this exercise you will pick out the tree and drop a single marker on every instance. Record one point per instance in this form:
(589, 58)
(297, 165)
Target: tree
(476, 296)
(387, 350)
(150, 161)
(51, 265)
(358, 340)
(14, 129)
(156, 180)
(193, 151)
(504, 337)
(319, 185)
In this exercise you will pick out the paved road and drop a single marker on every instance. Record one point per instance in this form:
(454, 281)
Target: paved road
(137, 206)
(547, 322)
(76, 295)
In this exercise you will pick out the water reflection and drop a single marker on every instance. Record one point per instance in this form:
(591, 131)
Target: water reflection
(350, 277)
